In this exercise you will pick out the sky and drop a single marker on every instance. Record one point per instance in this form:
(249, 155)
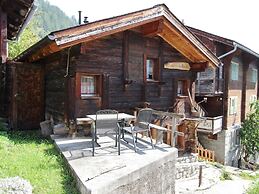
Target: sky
(234, 19)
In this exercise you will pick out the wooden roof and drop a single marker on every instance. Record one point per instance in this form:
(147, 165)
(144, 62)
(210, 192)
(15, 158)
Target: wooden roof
(225, 41)
(157, 20)
(17, 12)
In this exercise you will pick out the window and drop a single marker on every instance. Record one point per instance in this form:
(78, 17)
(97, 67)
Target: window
(234, 71)
(88, 85)
(152, 71)
(181, 87)
(254, 76)
(233, 105)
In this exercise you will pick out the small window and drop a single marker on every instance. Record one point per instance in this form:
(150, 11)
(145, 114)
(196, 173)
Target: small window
(181, 88)
(254, 76)
(89, 85)
(152, 69)
(234, 71)
(233, 105)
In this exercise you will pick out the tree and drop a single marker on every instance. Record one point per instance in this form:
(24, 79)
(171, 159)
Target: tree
(28, 38)
(249, 133)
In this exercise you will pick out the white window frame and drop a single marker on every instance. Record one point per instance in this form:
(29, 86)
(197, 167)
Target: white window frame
(86, 94)
(254, 75)
(233, 108)
(234, 76)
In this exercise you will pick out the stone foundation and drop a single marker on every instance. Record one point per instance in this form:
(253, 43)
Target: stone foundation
(187, 166)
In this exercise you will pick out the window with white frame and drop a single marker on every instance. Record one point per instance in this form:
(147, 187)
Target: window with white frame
(88, 86)
(254, 75)
(233, 105)
(234, 70)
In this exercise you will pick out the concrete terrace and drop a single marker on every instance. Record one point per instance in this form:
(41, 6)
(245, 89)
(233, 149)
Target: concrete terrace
(147, 171)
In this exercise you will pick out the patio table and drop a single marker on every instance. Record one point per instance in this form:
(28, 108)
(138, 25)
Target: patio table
(122, 118)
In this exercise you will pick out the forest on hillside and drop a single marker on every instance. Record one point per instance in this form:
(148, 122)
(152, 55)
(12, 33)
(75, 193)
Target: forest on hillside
(47, 18)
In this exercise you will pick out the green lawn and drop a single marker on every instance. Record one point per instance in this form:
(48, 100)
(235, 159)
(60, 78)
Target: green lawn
(28, 155)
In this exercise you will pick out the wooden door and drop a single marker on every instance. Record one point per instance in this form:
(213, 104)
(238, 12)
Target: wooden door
(28, 96)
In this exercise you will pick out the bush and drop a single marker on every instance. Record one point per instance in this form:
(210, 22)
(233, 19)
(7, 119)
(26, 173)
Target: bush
(249, 133)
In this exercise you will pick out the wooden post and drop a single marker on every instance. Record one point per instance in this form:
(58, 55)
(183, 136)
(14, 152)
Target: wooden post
(244, 83)
(14, 95)
(125, 57)
(173, 134)
(200, 175)
(227, 64)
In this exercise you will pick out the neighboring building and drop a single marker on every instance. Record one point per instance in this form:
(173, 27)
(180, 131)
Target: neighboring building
(228, 91)
(117, 63)
(14, 15)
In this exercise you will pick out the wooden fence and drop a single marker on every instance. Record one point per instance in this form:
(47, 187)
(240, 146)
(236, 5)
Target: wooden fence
(204, 154)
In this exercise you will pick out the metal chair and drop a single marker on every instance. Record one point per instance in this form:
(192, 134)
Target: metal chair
(106, 123)
(141, 125)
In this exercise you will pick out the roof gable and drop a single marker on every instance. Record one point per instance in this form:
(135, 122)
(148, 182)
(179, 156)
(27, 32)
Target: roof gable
(157, 20)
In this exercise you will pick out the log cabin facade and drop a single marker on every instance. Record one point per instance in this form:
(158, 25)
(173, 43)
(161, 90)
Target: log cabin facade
(228, 90)
(14, 15)
(116, 63)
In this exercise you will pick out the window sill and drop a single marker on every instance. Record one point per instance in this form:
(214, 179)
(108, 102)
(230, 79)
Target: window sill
(181, 96)
(155, 82)
(90, 97)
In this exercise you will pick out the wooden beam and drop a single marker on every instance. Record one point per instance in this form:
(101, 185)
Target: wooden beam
(199, 66)
(226, 72)
(152, 29)
(125, 57)
(244, 83)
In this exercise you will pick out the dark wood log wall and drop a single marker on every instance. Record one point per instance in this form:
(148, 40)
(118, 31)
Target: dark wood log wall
(25, 86)
(106, 57)
(55, 88)
(3, 56)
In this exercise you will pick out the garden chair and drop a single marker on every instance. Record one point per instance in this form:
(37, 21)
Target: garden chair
(106, 123)
(141, 125)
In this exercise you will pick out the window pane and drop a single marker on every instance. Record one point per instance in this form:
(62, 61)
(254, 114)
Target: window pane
(150, 69)
(234, 71)
(254, 75)
(180, 87)
(88, 85)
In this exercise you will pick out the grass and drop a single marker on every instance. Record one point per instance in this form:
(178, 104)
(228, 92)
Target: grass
(254, 189)
(28, 155)
(247, 176)
(225, 176)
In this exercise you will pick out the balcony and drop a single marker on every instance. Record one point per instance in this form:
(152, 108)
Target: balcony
(211, 125)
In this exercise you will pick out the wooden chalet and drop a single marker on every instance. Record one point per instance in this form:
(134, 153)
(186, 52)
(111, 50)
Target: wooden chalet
(14, 15)
(118, 63)
(228, 90)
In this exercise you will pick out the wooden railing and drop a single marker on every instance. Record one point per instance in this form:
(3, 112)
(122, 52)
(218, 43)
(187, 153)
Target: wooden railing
(211, 125)
(205, 154)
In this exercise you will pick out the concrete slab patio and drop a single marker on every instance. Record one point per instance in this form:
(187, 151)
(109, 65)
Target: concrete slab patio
(147, 171)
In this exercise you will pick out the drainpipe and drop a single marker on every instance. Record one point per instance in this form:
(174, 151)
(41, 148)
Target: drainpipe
(225, 96)
(230, 52)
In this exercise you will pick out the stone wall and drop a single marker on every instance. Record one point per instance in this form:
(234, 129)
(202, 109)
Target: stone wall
(187, 166)
(226, 145)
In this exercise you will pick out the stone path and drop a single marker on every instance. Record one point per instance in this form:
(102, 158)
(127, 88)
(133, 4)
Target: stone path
(211, 183)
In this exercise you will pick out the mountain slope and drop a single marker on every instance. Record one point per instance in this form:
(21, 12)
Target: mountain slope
(46, 19)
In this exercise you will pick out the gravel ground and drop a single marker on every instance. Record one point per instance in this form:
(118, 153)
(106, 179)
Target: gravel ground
(15, 185)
